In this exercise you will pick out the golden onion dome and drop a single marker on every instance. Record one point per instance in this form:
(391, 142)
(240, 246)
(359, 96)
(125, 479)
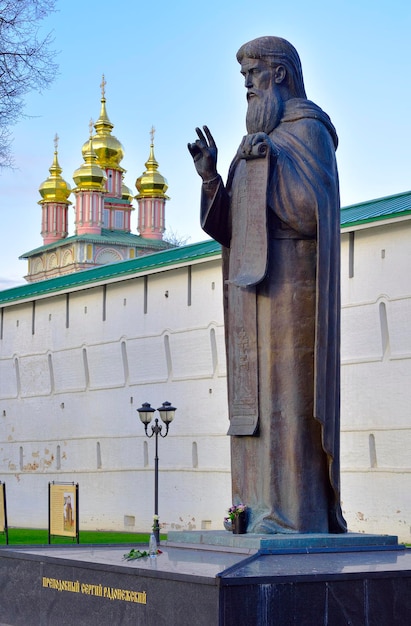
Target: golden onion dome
(89, 175)
(126, 193)
(108, 149)
(151, 184)
(55, 188)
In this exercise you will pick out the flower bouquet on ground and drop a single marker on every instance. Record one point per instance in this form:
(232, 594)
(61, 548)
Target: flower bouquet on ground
(153, 549)
(156, 524)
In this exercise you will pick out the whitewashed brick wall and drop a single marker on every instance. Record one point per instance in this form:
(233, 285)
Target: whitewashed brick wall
(70, 390)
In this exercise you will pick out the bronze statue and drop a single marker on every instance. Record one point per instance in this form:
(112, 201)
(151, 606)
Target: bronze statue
(278, 221)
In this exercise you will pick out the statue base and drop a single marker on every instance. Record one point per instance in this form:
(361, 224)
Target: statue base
(280, 543)
(258, 580)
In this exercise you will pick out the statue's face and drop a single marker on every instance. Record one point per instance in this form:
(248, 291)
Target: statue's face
(257, 76)
(265, 104)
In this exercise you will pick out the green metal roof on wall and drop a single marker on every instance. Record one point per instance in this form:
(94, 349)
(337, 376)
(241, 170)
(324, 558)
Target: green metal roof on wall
(388, 207)
(120, 270)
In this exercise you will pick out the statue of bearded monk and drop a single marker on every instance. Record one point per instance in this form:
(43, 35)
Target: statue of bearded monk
(278, 221)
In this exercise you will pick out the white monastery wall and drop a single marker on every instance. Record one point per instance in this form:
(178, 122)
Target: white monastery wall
(73, 372)
(74, 369)
(376, 379)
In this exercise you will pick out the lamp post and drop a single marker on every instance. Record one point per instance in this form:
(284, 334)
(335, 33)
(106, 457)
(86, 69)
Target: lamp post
(167, 413)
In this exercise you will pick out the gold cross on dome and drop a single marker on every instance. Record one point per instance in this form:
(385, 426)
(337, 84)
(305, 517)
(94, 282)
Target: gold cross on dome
(90, 126)
(56, 142)
(103, 87)
(152, 133)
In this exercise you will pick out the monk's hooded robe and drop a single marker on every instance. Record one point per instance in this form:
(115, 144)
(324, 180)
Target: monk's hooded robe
(281, 266)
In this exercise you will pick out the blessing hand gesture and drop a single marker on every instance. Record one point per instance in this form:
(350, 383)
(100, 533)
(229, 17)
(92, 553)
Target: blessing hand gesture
(204, 153)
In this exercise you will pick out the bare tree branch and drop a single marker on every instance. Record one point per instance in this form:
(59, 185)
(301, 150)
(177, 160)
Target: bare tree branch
(26, 62)
(175, 238)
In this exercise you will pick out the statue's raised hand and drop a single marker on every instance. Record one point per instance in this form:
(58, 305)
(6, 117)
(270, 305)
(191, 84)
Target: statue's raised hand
(204, 153)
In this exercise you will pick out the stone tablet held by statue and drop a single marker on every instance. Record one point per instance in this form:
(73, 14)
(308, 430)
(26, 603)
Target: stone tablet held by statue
(278, 220)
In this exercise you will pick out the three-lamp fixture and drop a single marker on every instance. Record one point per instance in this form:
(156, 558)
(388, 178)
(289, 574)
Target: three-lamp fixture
(167, 412)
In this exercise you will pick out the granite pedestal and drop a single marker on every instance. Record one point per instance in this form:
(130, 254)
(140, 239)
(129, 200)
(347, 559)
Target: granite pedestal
(200, 580)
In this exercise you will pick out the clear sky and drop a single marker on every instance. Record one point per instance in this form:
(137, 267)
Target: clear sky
(172, 65)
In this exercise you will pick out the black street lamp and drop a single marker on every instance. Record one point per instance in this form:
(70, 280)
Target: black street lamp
(167, 413)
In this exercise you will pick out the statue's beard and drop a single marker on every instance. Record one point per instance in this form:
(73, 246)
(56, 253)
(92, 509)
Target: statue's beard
(265, 109)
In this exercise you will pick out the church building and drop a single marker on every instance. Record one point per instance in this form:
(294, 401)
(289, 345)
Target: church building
(102, 206)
